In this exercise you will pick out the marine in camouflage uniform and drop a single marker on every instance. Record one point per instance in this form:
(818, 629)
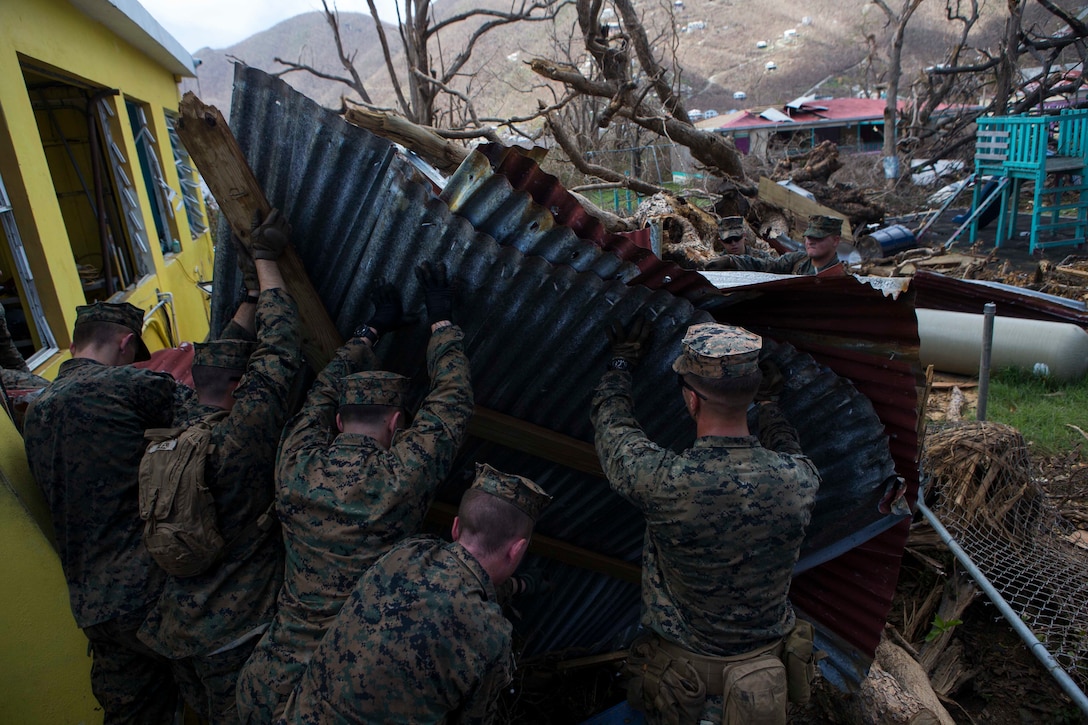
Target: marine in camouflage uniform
(819, 257)
(725, 519)
(84, 440)
(734, 239)
(344, 499)
(209, 623)
(422, 638)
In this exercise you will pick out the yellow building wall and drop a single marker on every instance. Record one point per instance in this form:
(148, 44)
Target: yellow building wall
(55, 37)
(46, 672)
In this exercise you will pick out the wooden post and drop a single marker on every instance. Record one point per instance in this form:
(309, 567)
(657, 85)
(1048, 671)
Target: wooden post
(213, 148)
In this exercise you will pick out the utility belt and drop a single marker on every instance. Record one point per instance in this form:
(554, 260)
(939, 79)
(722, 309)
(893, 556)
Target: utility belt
(711, 669)
(671, 684)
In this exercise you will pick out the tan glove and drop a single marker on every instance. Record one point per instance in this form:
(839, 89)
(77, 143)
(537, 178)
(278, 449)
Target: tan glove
(270, 237)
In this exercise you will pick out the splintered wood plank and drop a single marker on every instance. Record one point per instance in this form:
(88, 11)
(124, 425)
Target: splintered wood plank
(801, 207)
(213, 148)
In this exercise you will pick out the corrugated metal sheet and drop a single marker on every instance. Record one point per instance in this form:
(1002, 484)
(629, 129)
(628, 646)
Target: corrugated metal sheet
(845, 324)
(534, 310)
(940, 292)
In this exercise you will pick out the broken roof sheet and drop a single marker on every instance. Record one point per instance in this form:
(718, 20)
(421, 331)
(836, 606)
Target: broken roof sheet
(940, 292)
(534, 329)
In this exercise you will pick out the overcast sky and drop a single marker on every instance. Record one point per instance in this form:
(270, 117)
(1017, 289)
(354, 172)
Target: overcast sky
(219, 23)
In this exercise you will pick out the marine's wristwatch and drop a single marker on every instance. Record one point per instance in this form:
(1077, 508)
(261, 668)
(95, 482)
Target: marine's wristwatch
(367, 333)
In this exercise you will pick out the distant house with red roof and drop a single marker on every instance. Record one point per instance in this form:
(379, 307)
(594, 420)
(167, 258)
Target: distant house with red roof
(852, 123)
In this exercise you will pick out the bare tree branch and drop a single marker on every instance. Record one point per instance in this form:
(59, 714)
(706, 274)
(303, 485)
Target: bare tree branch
(332, 17)
(708, 148)
(601, 172)
(440, 153)
(659, 76)
(393, 77)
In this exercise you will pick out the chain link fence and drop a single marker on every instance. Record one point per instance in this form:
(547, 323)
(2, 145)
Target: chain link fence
(983, 492)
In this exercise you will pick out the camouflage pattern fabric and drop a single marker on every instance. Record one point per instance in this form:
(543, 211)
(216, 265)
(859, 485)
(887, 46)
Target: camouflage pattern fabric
(236, 598)
(792, 263)
(724, 524)
(343, 501)
(10, 358)
(420, 640)
(84, 438)
(756, 252)
(134, 685)
(21, 388)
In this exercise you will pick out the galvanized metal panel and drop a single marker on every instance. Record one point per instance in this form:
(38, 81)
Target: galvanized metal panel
(534, 311)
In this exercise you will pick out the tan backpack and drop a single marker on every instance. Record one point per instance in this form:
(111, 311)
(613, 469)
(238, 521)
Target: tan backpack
(180, 528)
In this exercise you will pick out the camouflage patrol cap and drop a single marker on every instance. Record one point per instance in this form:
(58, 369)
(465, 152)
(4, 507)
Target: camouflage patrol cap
(521, 492)
(229, 354)
(730, 227)
(375, 387)
(823, 226)
(712, 350)
(117, 313)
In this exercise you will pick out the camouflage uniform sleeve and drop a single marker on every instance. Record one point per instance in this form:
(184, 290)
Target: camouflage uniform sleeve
(313, 426)
(630, 460)
(10, 358)
(775, 432)
(778, 434)
(781, 265)
(430, 444)
(257, 418)
(157, 397)
(480, 706)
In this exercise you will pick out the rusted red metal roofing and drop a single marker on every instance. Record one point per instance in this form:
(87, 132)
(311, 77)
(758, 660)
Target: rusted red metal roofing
(939, 292)
(818, 112)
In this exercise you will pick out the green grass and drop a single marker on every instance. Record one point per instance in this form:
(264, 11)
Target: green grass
(1040, 408)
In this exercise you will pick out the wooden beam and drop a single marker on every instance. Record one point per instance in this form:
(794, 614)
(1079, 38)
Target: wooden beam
(441, 514)
(801, 208)
(213, 148)
(535, 440)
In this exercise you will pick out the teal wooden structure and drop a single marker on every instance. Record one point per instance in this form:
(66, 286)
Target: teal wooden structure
(1018, 149)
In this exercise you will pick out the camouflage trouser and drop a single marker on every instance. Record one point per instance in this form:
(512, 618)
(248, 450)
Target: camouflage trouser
(268, 678)
(132, 683)
(279, 661)
(208, 683)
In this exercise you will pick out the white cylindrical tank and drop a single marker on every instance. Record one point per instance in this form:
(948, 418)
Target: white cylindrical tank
(952, 342)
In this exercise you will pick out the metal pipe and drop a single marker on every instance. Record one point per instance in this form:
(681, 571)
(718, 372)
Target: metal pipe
(1036, 647)
(166, 303)
(989, 310)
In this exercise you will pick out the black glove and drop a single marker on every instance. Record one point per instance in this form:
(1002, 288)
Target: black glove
(773, 380)
(388, 311)
(269, 238)
(629, 344)
(437, 292)
(247, 267)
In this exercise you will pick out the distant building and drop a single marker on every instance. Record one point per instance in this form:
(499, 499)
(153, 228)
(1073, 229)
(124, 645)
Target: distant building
(852, 123)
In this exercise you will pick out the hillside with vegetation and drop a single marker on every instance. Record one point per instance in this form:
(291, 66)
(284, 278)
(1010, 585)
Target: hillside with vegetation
(723, 46)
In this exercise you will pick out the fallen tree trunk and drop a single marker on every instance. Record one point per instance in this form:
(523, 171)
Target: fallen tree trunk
(896, 690)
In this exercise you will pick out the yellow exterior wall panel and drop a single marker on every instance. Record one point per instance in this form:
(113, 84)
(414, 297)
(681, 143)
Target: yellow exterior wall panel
(46, 669)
